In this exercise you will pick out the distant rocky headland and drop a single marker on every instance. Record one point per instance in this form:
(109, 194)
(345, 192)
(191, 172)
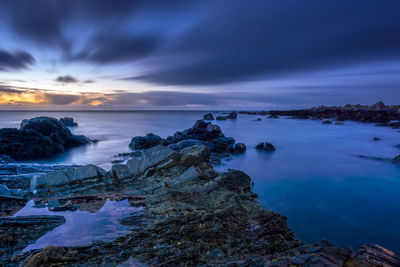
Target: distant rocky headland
(192, 214)
(378, 113)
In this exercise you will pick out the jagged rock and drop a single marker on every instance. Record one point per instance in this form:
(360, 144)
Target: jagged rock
(155, 156)
(38, 137)
(208, 117)
(68, 122)
(73, 181)
(204, 133)
(194, 155)
(195, 216)
(265, 146)
(144, 142)
(133, 166)
(120, 170)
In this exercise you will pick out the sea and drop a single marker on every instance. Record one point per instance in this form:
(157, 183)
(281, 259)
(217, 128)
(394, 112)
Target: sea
(316, 177)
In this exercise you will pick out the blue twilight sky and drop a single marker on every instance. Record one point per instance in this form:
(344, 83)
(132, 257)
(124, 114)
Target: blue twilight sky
(187, 54)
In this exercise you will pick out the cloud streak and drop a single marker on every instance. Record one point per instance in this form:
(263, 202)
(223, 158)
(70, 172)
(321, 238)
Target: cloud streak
(15, 61)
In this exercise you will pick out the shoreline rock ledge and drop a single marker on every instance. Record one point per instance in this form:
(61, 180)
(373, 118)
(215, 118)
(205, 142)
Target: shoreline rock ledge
(37, 138)
(192, 216)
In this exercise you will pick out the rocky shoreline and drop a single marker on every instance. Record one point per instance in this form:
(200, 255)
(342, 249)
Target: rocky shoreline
(191, 214)
(379, 113)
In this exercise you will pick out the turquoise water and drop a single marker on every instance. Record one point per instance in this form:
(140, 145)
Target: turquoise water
(315, 177)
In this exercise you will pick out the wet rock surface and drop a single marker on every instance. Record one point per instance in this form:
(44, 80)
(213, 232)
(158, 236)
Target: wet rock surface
(38, 137)
(192, 215)
(18, 232)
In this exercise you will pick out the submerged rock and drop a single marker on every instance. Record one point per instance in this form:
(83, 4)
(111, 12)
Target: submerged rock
(38, 137)
(376, 139)
(265, 146)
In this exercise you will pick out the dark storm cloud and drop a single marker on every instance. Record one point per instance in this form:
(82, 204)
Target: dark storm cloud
(106, 48)
(67, 79)
(18, 60)
(243, 40)
(207, 42)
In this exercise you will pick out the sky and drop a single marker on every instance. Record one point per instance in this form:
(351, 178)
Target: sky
(187, 54)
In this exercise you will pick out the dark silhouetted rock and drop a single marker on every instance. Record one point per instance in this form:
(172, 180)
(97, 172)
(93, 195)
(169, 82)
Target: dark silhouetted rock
(143, 142)
(68, 122)
(378, 113)
(396, 160)
(376, 139)
(273, 117)
(239, 148)
(326, 122)
(208, 117)
(38, 137)
(265, 146)
(232, 115)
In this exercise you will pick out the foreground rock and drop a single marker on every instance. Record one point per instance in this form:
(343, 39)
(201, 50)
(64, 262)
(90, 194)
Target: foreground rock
(193, 215)
(202, 133)
(378, 113)
(38, 137)
(18, 232)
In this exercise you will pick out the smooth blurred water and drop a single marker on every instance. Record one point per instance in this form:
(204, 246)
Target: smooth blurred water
(315, 177)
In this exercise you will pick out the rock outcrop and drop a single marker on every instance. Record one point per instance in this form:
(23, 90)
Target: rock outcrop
(265, 146)
(68, 122)
(208, 117)
(144, 142)
(202, 133)
(38, 137)
(192, 216)
(378, 113)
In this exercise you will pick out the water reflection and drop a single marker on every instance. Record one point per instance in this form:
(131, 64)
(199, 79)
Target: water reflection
(83, 227)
